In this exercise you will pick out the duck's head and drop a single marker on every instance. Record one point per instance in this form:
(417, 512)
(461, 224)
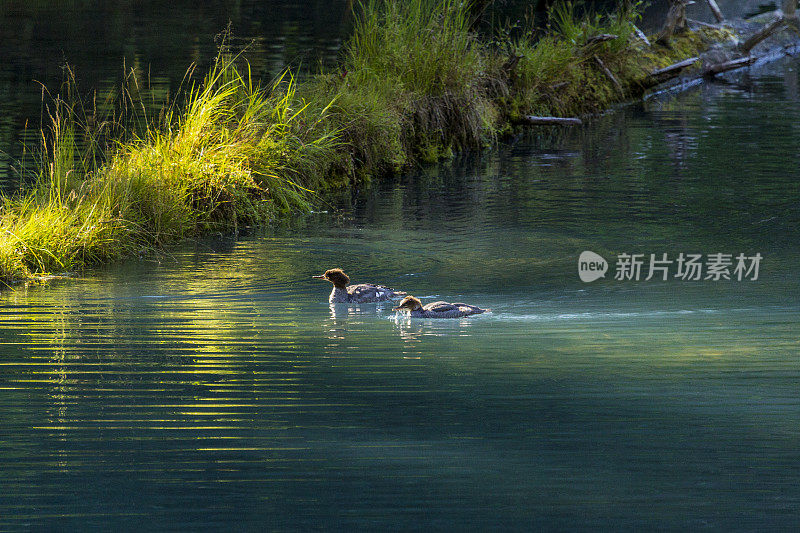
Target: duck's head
(409, 302)
(335, 276)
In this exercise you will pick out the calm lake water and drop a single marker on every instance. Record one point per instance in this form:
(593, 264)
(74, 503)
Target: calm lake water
(214, 388)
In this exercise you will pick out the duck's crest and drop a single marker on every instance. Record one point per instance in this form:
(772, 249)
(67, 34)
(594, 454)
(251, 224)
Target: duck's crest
(337, 277)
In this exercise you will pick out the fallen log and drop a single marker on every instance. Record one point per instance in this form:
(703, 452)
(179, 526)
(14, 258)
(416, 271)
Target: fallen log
(703, 24)
(718, 68)
(597, 39)
(640, 35)
(674, 69)
(762, 34)
(609, 75)
(715, 9)
(718, 59)
(551, 121)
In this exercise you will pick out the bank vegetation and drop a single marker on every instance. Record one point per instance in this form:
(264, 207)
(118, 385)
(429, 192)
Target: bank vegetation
(415, 84)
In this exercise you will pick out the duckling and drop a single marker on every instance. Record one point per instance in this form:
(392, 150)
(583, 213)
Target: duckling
(437, 309)
(356, 294)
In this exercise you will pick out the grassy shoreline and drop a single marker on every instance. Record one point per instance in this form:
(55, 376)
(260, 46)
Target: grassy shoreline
(414, 85)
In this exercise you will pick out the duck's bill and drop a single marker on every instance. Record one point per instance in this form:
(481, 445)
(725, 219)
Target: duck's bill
(396, 308)
(319, 277)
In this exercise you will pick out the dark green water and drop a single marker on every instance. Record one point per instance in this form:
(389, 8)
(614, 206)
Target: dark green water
(216, 389)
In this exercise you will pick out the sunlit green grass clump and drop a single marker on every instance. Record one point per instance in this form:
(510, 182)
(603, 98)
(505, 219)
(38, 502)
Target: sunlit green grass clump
(413, 86)
(237, 154)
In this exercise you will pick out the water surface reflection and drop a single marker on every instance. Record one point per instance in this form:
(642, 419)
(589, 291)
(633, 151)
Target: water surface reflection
(215, 387)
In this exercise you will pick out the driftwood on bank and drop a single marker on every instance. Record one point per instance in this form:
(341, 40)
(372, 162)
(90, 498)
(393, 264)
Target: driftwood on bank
(550, 121)
(640, 35)
(715, 9)
(721, 60)
(704, 24)
(718, 68)
(674, 69)
(761, 34)
(603, 37)
(609, 75)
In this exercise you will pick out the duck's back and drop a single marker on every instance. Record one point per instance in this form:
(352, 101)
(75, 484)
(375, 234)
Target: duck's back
(448, 310)
(367, 292)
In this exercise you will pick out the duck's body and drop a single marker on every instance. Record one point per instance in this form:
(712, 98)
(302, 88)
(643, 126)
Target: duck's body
(356, 294)
(437, 309)
(363, 293)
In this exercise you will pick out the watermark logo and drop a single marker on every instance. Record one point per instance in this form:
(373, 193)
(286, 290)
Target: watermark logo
(685, 267)
(591, 266)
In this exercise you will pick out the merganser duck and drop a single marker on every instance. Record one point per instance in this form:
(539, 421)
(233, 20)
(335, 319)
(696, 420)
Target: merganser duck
(437, 309)
(356, 294)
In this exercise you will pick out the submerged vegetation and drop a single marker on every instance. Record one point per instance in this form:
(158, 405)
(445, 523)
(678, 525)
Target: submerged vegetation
(415, 84)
